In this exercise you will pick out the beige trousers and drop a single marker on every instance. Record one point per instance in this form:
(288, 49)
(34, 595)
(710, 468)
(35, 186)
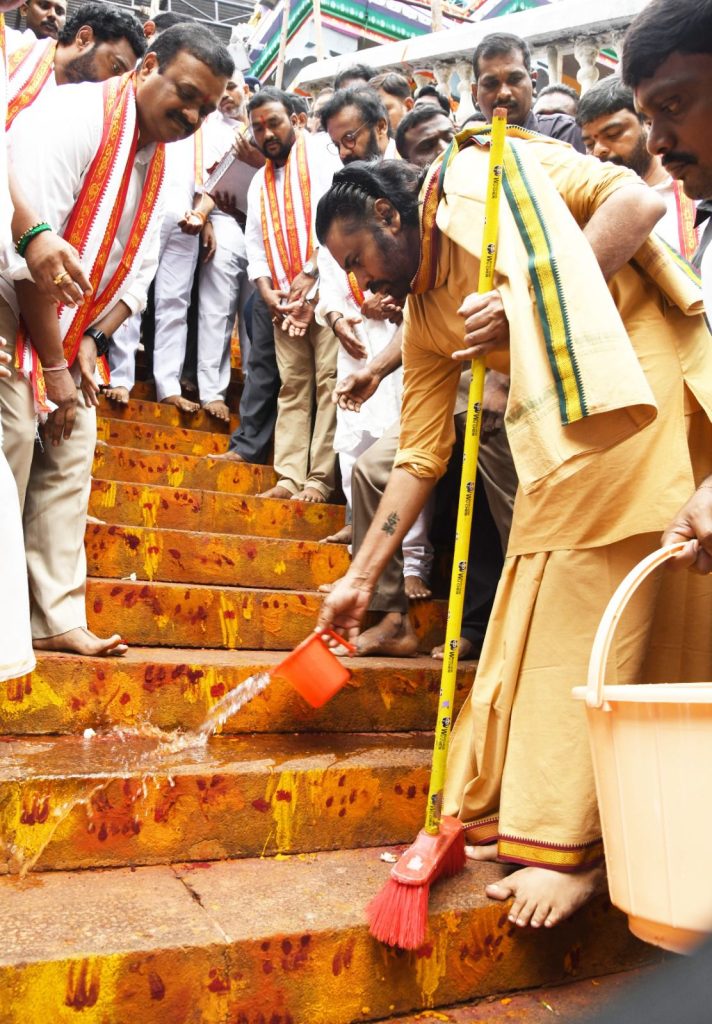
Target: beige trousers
(53, 485)
(304, 453)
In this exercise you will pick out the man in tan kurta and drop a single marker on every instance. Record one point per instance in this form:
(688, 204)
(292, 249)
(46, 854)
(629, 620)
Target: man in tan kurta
(594, 496)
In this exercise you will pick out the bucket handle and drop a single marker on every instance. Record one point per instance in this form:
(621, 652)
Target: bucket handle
(615, 608)
(335, 636)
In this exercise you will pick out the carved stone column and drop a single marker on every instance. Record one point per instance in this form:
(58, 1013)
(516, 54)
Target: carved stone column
(586, 53)
(467, 77)
(442, 71)
(554, 60)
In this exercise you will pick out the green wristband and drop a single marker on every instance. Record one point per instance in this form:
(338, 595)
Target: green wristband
(27, 236)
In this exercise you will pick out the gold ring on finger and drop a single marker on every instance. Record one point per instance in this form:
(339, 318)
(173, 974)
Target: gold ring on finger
(60, 277)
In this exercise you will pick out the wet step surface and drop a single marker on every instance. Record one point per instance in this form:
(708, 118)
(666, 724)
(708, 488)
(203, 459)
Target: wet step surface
(212, 511)
(148, 437)
(569, 1002)
(281, 941)
(122, 799)
(184, 615)
(175, 688)
(215, 558)
(138, 466)
(167, 415)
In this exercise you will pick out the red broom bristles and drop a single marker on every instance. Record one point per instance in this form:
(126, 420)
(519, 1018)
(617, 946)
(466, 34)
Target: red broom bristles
(398, 914)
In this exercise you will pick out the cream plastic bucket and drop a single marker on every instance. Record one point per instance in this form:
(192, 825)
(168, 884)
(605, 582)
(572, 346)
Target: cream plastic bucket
(652, 758)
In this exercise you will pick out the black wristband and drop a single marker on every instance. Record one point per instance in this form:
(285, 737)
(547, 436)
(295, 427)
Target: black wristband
(340, 316)
(101, 340)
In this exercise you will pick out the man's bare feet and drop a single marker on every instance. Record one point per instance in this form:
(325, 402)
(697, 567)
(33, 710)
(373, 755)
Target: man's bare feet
(181, 403)
(229, 456)
(393, 635)
(82, 641)
(482, 853)
(416, 589)
(218, 409)
(546, 897)
(276, 492)
(118, 395)
(342, 536)
(466, 651)
(310, 494)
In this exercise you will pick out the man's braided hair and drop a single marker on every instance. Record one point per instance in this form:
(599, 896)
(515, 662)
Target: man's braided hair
(356, 188)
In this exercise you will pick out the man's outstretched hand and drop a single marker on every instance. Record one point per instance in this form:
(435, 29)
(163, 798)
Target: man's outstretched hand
(693, 523)
(351, 392)
(344, 609)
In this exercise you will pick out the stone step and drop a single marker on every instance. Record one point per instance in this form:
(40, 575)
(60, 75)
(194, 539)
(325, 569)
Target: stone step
(175, 689)
(118, 800)
(571, 1001)
(274, 942)
(147, 437)
(180, 556)
(170, 508)
(143, 411)
(174, 470)
(181, 615)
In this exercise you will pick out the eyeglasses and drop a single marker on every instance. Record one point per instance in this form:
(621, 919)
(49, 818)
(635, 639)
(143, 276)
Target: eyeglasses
(348, 139)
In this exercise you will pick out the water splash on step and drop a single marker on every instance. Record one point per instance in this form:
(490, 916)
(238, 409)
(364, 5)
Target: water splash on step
(143, 749)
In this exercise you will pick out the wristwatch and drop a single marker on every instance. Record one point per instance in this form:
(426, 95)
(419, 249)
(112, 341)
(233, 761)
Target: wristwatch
(310, 269)
(101, 340)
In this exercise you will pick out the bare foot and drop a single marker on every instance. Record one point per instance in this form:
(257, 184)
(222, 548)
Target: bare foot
(310, 494)
(218, 409)
(276, 492)
(393, 635)
(181, 403)
(342, 536)
(546, 897)
(118, 395)
(466, 651)
(482, 853)
(415, 588)
(82, 641)
(229, 456)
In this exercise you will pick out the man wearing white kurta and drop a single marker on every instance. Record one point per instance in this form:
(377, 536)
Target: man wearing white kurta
(224, 286)
(54, 482)
(304, 457)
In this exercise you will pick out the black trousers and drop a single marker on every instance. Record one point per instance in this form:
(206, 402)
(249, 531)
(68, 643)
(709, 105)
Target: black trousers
(258, 405)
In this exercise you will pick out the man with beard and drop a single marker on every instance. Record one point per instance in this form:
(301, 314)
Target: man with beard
(504, 78)
(96, 139)
(98, 42)
(282, 255)
(614, 131)
(602, 467)
(45, 18)
(667, 61)
(424, 134)
(357, 123)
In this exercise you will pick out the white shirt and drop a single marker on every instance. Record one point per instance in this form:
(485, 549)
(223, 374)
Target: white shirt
(219, 134)
(180, 178)
(51, 151)
(323, 165)
(6, 209)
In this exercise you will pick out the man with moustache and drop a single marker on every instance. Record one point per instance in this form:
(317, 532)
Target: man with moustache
(667, 61)
(106, 138)
(504, 78)
(357, 123)
(45, 18)
(282, 262)
(614, 131)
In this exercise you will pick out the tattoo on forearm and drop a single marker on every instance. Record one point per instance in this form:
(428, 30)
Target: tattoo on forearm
(390, 524)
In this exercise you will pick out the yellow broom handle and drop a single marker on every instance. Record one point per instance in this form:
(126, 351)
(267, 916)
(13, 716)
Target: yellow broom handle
(467, 490)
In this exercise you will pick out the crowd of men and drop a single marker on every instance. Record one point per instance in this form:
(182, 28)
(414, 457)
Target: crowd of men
(339, 240)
